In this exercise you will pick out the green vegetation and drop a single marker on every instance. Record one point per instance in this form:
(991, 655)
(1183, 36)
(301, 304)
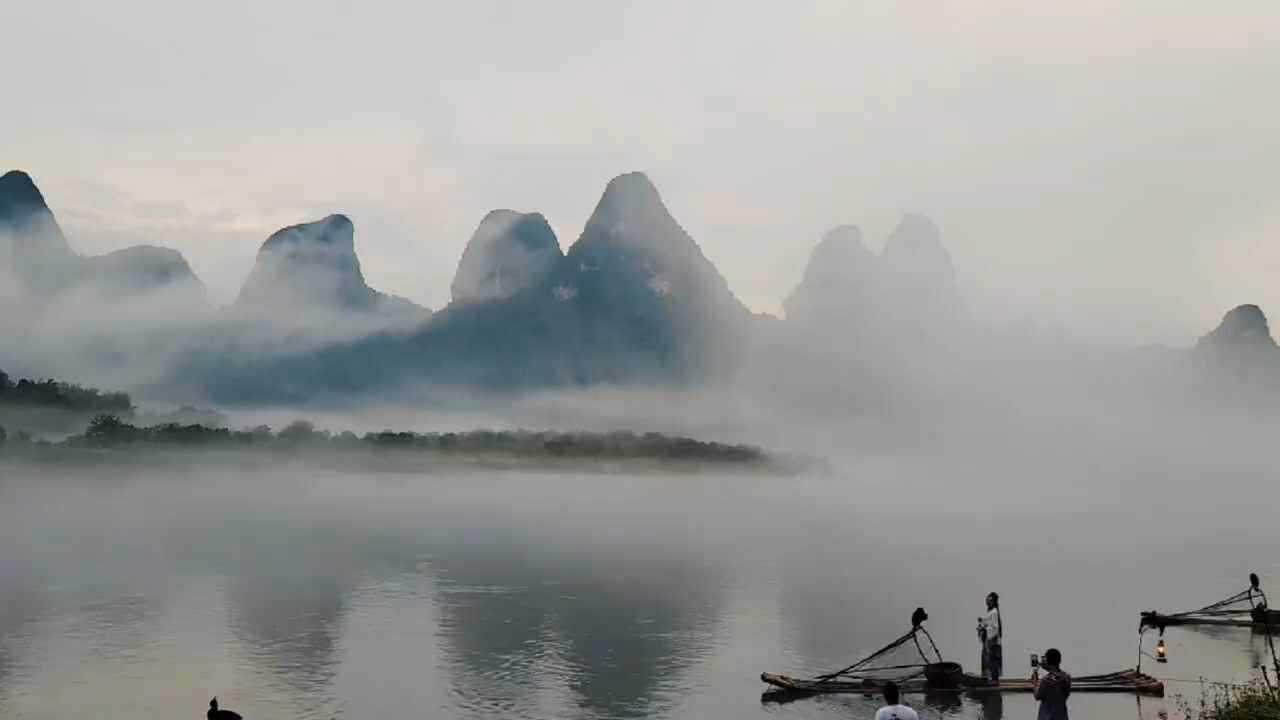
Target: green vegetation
(614, 445)
(1248, 702)
(109, 431)
(115, 426)
(62, 396)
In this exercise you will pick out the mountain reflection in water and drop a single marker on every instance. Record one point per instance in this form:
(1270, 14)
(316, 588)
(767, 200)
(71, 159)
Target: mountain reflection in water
(331, 595)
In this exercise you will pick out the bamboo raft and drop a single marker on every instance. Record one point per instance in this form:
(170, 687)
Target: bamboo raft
(934, 675)
(1247, 608)
(1154, 619)
(1124, 681)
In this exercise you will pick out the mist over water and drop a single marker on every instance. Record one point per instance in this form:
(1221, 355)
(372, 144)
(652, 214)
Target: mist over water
(316, 594)
(956, 266)
(933, 457)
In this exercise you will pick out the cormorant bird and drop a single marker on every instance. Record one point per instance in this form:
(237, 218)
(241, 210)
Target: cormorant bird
(918, 617)
(216, 714)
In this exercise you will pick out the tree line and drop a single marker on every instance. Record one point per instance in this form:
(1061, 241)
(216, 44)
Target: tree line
(110, 431)
(61, 395)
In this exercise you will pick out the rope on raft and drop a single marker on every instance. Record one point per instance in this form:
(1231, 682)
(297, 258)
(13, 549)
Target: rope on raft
(861, 663)
(932, 644)
(1222, 608)
(917, 626)
(1219, 608)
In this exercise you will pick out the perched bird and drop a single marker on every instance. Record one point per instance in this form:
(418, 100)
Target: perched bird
(216, 714)
(918, 617)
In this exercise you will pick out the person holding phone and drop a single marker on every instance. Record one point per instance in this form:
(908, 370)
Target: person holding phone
(1052, 687)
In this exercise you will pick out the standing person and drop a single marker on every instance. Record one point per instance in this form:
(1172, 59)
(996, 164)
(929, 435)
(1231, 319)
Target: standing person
(1053, 689)
(991, 635)
(893, 710)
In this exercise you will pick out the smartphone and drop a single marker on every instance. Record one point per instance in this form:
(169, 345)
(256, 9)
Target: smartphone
(1035, 660)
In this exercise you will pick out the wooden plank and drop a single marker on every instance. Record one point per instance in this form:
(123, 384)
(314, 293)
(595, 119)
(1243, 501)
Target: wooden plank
(1124, 681)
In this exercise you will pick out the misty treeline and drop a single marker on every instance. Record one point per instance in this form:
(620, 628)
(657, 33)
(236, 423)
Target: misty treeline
(109, 431)
(50, 407)
(55, 394)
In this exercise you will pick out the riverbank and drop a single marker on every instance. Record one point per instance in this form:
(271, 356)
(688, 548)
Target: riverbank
(111, 440)
(1249, 702)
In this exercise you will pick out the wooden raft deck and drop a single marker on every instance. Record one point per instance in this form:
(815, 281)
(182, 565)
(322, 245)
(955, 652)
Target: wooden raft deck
(1124, 681)
(1158, 621)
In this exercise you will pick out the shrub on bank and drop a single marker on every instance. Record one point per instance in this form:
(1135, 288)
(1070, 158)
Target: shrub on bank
(1248, 702)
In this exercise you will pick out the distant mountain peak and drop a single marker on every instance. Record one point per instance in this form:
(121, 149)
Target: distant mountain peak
(844, 241)
(312, 266)
(914, 222)
(631, 211)
(140, 269)
(632, 227)
(909, 290)
(634, 267)
(918, 276)
(504, 216)
(32, 245)
(26, 216)
(631, 190)
(839, 275)
(336, 230)
(17, 189)
(509, 253)
(916, 239)
(1243, 327)
(45, 264)
(530, 229)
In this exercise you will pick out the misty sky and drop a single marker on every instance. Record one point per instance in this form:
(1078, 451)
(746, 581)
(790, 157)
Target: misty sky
(1109, 168)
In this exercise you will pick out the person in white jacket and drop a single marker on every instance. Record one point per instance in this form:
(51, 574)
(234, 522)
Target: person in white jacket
(991, 635)
(893, 709)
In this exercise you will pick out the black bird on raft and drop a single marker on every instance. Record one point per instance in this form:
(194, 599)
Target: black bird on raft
(216, 714)
(918, 617)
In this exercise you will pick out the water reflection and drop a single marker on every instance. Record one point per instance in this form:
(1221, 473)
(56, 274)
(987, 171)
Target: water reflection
(992, 706)
(614, 629)
(944, 703)
(485, 597)
(115, 625)
(289, 625)
(21, 604)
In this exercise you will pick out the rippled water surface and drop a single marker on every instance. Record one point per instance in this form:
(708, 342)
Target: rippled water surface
(308, 594)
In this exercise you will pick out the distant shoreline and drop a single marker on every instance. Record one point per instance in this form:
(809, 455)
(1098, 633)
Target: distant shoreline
(111, 440)
(178, 460)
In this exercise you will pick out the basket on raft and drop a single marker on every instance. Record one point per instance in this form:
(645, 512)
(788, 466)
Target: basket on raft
(944, 675)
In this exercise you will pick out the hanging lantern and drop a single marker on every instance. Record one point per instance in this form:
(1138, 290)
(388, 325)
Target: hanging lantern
(1162, 652)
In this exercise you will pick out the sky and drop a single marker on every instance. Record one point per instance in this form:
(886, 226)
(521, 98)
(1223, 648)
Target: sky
(1108, 169)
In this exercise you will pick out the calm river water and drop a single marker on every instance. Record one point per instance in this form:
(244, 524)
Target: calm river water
(293, 593)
